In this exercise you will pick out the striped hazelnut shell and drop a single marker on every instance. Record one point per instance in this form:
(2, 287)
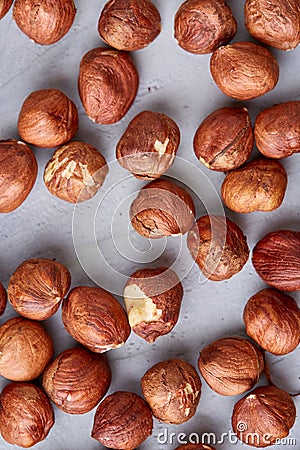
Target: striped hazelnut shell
(3, 299)
(4, 7)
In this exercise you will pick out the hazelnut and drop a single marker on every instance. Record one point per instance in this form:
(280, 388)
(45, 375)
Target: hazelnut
(25, 349)
(149, 145)
(172, 388)
(218, 246)
(162, 209)
(123, 420)
(195, 447)
(37, 287)
(46, 21)
(201, 26)
(3, 299)
(272, 319)
(263, 416)
(108, 83)
(4, 7)
(276, 259)
(129, 24)
(75, 172)
(152, 300)
(231, 366)
(95, 318)
(77, 380)
(244, 70)
(275, 23)
(48, 118)
(276, 130)
(26, 414)
(224, 140)
(259, 185)
(18, 171)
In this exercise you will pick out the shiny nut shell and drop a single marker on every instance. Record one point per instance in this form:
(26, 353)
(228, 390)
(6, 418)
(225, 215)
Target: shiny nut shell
(276, 259)
(149, 144)
(18, 171)
(77, 380)
(259, 185)
(4, 7)
(45, 21)
(201, 26)
(95, 318)
(37, 287)
(129, 24)
(195, 447)
(3, 299)
(48, 118)
(244, 70)
(276, 130)
(26, 414)
(122, 420)
(108, 83)
(224, 140)
(75, 172)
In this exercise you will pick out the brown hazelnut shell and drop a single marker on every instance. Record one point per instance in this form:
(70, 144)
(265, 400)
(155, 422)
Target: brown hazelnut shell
(75, 172)
(149, 144)
(25, 349)
(77, 380)
(48, 118)
(244, 70)
(231, 366)
(37, 287)
(272, 319)
(201, 26)
(162, 208)
(4, 7)
(195, 447)
(173, 389)
(18, 171)
(218, 246)
(46, 21)
(129, 24)
(267, 414)
(108, 83)
(162, 289)
(276, 130)
(3, 299)
(95, 318)
(276, 259)
(224, 140)
(275, 23)
(26, 414)
(259, 185)
(123, 420)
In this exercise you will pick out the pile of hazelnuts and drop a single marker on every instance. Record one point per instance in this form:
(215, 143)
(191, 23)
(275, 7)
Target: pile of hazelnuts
(79, 378)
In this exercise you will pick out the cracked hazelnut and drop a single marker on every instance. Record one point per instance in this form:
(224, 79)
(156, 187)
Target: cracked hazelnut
(129, 24)
(149, 145)
(77, 380)
(231, 366)
(276, 130)
(224, 140)
(275, 23)
(18, 171)
(48, 118)
(3, 299)
(95, 318)
(26, 414)
(162, 209)
(201, 26)
(46, 21)
(259, 185)
(37, 287)
(172, 388)
(108, 83)
(123, 420)
(75, 172)
(218, 246)
(276, 259)
(263, 416)
(4, 7)
(272, 319)
(152, 300)
(244, 70)
(25, 349)
(195, 447)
